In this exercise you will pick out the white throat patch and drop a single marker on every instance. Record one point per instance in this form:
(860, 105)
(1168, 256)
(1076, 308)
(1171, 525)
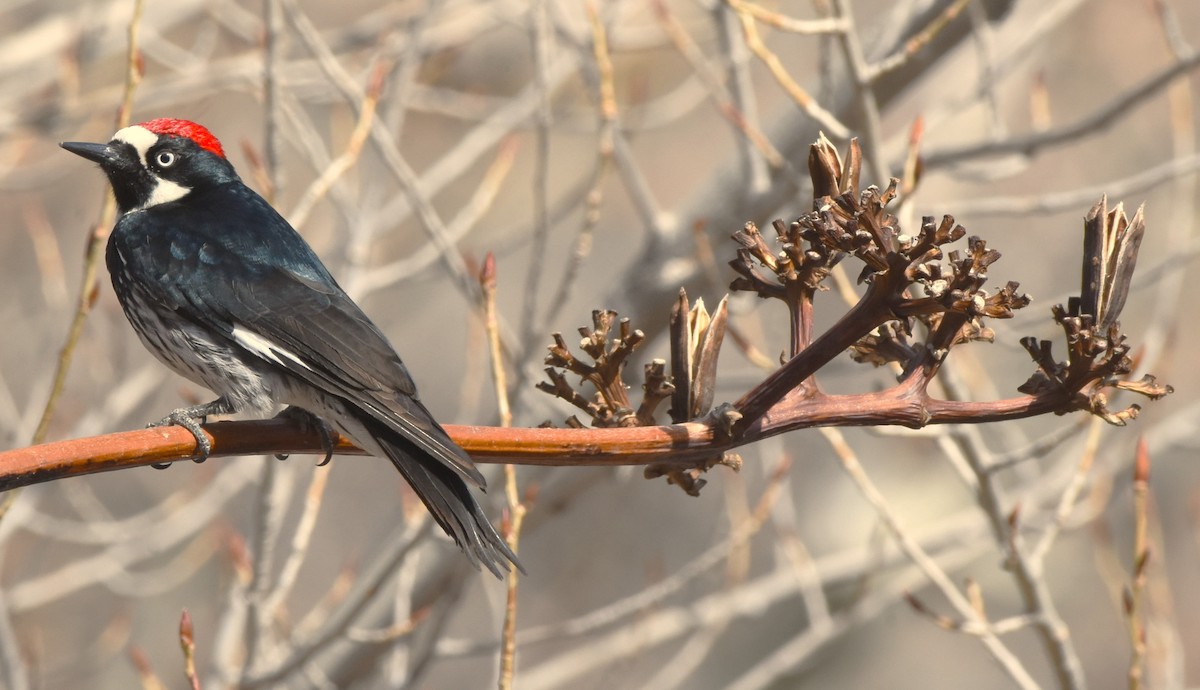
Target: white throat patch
(141, 139)
(164, 191)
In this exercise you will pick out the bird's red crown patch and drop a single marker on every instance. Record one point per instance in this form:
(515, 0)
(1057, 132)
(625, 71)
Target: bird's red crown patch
(187, 129)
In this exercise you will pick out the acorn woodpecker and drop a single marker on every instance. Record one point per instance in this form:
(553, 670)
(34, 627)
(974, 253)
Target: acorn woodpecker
(226, 293)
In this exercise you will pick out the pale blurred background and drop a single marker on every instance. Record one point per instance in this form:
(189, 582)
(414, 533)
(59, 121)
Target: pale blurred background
(491, 117)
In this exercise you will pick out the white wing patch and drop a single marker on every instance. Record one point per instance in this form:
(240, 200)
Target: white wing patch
(265, 348)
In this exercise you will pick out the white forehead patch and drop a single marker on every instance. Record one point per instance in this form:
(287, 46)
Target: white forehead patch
(140, 138)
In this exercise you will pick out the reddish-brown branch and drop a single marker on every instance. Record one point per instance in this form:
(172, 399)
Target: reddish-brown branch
(904, 405)
(870, 312)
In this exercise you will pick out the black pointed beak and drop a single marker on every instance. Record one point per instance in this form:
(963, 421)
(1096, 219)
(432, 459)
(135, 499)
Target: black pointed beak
(99, 153)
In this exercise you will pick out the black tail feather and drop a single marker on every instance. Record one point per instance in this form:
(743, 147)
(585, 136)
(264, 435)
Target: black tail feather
(450, 502)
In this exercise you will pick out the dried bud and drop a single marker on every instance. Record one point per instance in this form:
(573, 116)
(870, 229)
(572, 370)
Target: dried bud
(186, 632)
(695, 347)
(825, 168)
(1110, 247)
(1141, 463)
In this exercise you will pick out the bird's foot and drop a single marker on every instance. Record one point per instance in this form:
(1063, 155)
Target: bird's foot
(191, 418)
(311, 422)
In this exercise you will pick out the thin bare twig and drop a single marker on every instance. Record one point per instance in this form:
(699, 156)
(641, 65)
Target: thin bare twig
(516, 509)
(12, 666)
(273, 49)
(375, 279)
(830, 25)
(320, 186)
(121, 556)
(540, 37)
(1135, 594)
(741, 103)
(1179, 168)
(917, 42)
(364, 589)
(1121, 105)
(868, 105)
(605, 144)
(999, 651)
(146, 675)
(1070, 493)
(827, 120)
(1027, 570)
(187, 641)
(301, 538)
(733, 104)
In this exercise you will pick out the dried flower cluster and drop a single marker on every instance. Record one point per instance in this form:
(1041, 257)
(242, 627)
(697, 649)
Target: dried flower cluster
(911, 278)
(921, 299)
(610, 407)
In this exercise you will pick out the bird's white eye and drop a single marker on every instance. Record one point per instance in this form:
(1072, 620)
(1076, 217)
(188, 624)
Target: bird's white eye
(165, 159)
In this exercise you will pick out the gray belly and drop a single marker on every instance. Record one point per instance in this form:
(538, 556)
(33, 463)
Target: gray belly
(204, 359)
